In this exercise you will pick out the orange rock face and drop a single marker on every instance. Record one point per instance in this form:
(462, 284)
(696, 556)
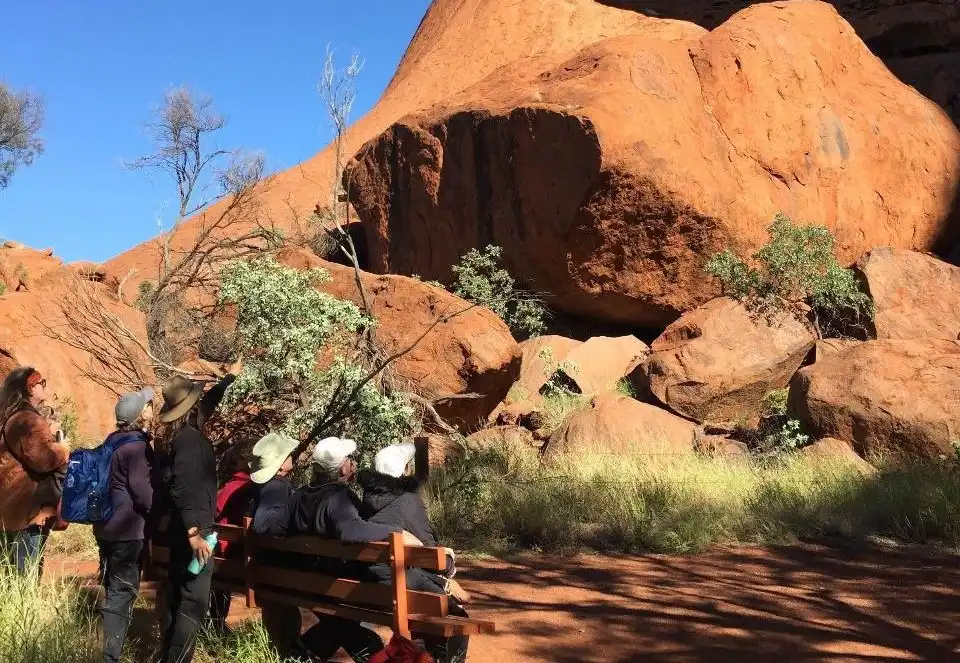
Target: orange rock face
(716, 363)
(615, 424)
(894, 398)
(472, 353)
(611, 173)
(25, 317)
(915, 295)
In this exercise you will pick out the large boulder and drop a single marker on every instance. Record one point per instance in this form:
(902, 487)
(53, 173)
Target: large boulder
(615, 424)
(893, 398)
(716, 363)
(471, 353)
(831, 453)
(541, 356)
(599, 363)
(918, 41)
(610, 174)
(915, 295)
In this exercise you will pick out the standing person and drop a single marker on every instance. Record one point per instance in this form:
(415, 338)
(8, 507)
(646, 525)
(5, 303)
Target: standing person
(188, 471)
(233, 504)
(31, 460)
(390, 498)
(121, 537)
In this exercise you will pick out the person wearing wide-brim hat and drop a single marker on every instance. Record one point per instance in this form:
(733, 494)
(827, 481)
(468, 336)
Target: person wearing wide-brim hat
(188, 471)
(271, 464)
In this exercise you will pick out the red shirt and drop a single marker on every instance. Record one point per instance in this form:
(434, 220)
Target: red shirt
(233, 499)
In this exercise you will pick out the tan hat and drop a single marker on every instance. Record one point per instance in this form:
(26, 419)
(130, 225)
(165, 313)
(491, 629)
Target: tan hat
(179, 397)
(269, 454)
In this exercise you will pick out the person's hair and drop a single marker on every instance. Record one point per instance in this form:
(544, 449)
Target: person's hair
(14, 393)
(323, 476)
(138, 424)
(169, 431)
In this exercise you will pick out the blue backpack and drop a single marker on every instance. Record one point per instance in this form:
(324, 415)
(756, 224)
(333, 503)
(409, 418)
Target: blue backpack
(86, 489)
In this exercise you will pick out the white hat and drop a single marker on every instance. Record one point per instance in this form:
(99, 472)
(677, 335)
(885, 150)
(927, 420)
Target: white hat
(269, 454)
(332, 451)
(393, 460)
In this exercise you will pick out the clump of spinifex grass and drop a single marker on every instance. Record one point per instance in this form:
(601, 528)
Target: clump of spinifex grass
(508, 499)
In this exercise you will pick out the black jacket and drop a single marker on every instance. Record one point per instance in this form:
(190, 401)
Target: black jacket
(131, 490)
(190, 470)
(271, 514)
(396, 503)
(333, 511)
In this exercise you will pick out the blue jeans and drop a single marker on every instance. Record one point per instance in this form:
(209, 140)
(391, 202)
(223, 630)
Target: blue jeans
(25, 547)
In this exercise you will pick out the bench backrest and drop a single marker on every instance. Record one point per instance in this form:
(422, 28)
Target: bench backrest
(346, 597)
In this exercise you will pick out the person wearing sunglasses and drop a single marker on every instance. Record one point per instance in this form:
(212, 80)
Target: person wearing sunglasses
(33, 456)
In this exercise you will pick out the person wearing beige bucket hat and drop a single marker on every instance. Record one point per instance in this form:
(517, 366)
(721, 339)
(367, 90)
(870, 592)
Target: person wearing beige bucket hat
(188, 473)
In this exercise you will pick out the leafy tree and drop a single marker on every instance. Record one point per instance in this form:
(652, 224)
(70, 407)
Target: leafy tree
(21, 118)
(481, 279)
(796, 271)
(284, 323)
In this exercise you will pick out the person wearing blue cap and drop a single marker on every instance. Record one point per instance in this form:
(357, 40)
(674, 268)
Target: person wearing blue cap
(121, 537)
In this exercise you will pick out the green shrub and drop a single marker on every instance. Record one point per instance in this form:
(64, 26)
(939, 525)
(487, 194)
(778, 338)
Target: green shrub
(481, 279)
(796, 272)
(283, 324)
(145, 293)
(3, 288)
(774, 403)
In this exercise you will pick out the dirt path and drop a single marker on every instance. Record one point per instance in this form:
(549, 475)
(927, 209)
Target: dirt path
(789, 605)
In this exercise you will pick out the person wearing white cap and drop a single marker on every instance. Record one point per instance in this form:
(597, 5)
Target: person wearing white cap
(391, 498)
(328, 508)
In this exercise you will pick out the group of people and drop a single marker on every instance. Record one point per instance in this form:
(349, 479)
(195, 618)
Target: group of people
(175, 476)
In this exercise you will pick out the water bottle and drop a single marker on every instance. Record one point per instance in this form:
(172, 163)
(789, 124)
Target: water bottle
(194, 567)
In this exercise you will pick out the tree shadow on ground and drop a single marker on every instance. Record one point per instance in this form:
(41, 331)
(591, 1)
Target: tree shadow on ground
(796, 604)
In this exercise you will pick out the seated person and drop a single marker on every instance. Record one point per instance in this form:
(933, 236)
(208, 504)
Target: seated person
(233, 504)
(390, 498)
(328, 508)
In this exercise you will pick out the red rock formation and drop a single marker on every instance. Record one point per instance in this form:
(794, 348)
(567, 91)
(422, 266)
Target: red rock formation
(25, 317)
(894, 398)
(716, 363)
(609, 174)
(470, 353)
(915, 295)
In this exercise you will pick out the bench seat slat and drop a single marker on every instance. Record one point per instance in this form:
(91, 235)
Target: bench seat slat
(345, 589)
(444, 627)
(432, 559)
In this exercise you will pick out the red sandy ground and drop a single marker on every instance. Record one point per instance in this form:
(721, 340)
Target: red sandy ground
(788, 605)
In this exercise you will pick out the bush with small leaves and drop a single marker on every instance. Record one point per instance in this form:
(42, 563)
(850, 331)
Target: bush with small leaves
(796, 271)
(481, 279)
(284, 323)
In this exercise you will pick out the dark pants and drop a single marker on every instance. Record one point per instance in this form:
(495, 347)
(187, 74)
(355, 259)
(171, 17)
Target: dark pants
(330, 634)
(120, 574)
(322, 640)
(24, 548)
(188, 598)
(443, 650)
(220, 601)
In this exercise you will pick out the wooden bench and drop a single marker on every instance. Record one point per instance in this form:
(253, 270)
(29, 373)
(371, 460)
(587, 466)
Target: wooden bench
(407, 612)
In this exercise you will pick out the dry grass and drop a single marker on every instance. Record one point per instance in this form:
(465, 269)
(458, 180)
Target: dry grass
(504, 500)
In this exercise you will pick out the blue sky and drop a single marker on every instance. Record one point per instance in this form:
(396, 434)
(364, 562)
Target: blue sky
(103, 66)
